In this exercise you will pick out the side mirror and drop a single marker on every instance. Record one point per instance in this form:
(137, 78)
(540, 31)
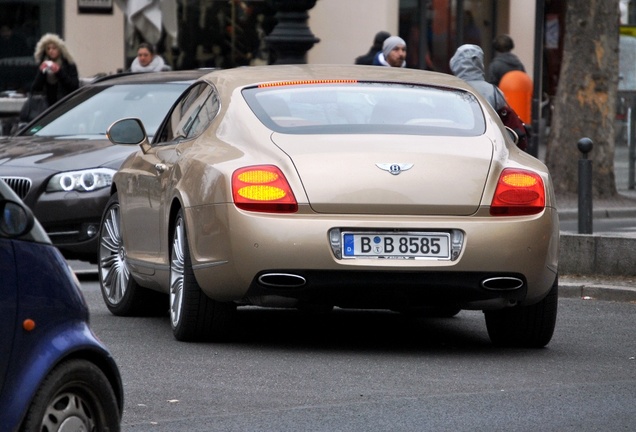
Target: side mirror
(15, 219)
(129, 131)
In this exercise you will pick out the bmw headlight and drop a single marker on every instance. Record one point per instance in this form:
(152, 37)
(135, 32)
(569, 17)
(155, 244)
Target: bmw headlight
(81, 181)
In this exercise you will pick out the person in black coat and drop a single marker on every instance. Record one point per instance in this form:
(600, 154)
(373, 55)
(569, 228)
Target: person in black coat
(367, 59)
(57, 73)
(504, 61)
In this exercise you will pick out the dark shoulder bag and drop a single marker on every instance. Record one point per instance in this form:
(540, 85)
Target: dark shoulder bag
(510, 118)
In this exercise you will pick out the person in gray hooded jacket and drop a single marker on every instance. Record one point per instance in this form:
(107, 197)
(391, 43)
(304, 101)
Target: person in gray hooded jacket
(468, 64)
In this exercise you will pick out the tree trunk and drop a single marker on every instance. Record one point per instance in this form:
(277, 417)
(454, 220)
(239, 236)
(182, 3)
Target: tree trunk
(585, 103)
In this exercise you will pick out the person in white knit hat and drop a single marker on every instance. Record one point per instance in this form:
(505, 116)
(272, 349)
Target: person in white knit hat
(393, 53)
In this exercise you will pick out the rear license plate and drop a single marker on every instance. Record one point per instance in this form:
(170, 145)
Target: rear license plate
(402, 245)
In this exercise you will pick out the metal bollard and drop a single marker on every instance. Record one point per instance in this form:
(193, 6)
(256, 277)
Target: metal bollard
(631, 150)
(585, 186)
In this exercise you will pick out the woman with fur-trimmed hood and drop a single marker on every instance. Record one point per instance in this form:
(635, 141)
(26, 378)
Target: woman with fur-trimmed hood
(57, 74)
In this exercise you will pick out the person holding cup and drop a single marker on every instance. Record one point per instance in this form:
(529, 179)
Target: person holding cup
(57, 73)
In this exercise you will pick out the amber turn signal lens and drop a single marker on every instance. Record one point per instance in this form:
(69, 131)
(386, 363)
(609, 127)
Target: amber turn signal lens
(261, 193)
(28, 324)
(257, 176)
(517, 179)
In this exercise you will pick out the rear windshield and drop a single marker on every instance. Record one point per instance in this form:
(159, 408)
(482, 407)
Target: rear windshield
(366, 107)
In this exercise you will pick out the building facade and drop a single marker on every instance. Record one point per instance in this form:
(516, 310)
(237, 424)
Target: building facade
(102, 35)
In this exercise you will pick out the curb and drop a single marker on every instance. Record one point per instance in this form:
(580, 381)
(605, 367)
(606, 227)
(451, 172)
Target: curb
(608, 213)
(587, 291)
(597, 255)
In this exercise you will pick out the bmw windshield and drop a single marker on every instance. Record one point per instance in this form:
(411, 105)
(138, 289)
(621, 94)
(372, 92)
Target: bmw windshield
(89, 113)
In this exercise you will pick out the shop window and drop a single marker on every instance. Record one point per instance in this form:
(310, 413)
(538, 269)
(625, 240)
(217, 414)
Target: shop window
(22, 23)
(214, 34)
(433, 29)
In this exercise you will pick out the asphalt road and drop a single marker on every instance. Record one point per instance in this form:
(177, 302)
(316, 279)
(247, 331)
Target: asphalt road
(362, 371)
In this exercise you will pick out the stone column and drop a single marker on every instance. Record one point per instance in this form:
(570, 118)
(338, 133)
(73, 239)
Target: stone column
(291, 38)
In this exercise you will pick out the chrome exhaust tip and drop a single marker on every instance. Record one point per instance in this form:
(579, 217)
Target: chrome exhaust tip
(281, 280)
(502, 283)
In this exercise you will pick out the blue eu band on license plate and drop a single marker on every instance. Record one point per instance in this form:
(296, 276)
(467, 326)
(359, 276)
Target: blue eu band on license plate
(396, 245)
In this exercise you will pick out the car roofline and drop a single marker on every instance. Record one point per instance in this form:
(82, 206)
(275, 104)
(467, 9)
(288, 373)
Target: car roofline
(105, 78)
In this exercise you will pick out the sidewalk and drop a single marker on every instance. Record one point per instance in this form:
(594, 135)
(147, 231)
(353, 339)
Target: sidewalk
(607, 288)
(601, 265)
(623, 206)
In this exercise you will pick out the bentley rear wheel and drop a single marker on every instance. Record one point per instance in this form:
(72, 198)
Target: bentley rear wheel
(525, 326)
(193, 315)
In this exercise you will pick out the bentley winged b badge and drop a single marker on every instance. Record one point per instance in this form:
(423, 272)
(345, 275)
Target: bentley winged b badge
(394, 168)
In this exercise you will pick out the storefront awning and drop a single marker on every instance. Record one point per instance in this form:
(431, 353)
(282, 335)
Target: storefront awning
(149, 17)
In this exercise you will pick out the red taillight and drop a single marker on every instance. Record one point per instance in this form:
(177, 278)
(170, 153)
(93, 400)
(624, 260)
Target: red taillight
(262, 188)
(518, 192)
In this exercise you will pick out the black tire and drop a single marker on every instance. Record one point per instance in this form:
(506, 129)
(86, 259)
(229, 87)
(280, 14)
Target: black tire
(75, 395)
(193, 315)
(121, 293)
(525, 326)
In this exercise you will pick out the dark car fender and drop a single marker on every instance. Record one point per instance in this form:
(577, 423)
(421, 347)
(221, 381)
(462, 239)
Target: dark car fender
(50, 297)
(75, 340)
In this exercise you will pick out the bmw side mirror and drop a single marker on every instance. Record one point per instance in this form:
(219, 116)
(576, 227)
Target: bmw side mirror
(16, 219)
(128, 131)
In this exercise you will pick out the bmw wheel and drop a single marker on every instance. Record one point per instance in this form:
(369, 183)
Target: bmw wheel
(121, 293)
(525, 326)
(193, 315)
(75, 396)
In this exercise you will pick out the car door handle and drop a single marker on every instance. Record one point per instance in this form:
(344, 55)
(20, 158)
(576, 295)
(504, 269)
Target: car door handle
(160, 167)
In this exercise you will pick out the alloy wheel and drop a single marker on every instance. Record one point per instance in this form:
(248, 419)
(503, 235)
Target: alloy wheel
(177, 269)
(68, 412)
(113, 271)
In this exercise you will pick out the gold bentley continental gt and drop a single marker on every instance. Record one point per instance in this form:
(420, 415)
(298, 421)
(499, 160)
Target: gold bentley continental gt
(322, 186)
